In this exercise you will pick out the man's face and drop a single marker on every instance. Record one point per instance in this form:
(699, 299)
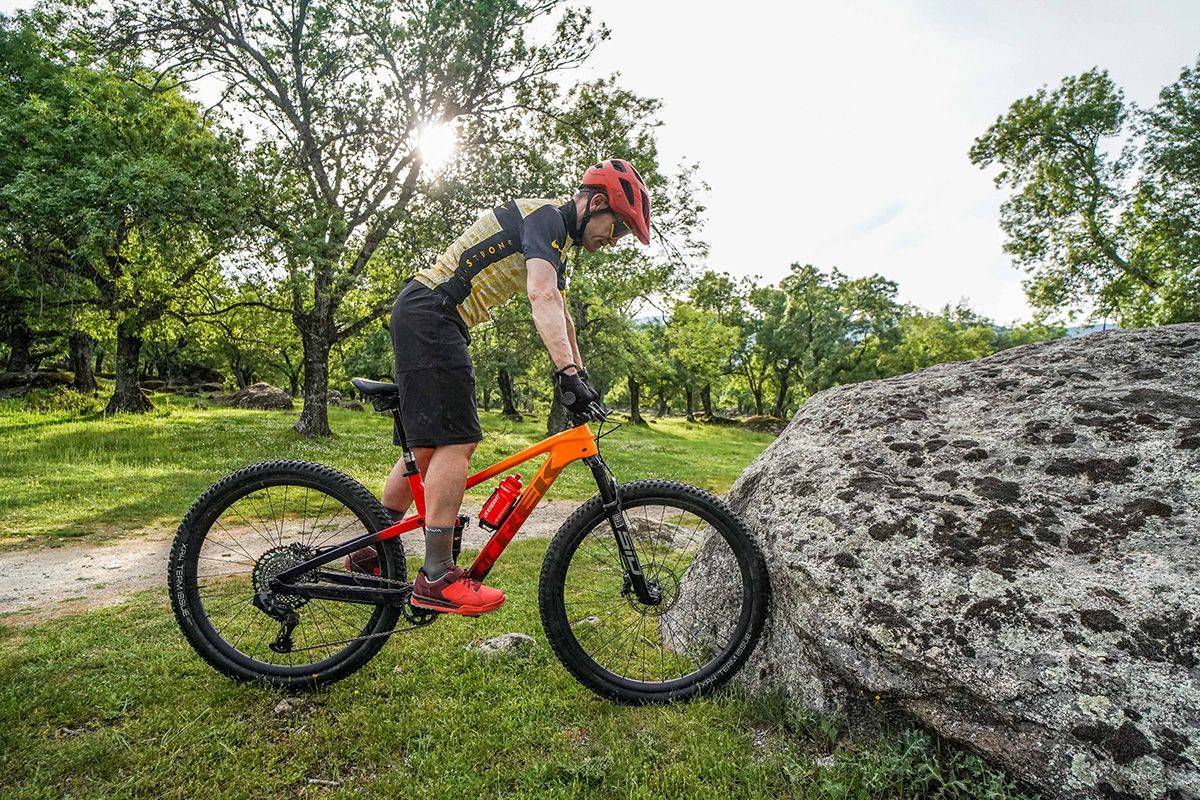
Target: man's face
(604, 228)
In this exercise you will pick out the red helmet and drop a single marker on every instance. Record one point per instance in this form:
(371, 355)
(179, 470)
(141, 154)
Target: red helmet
(627, 194)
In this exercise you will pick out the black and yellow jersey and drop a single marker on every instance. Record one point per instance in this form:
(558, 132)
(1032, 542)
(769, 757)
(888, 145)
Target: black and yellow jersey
(485, 266)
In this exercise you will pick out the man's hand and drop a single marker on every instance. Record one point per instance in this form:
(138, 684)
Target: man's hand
(576, 393)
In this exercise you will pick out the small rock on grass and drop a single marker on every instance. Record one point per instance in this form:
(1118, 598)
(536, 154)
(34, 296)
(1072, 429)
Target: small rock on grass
(285, 707)
(505, 643)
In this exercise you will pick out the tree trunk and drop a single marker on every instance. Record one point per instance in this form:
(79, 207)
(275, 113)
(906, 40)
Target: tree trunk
(314, 417)
(508, 405)
(661, 410)
(635, 398)
(689, 397)
(242, 374)
(99, 361)
(294, 383)
(781, 394)
(20, 341)
(486, 396)
(82, 347)
(557, 421)
(706, 399)
(128, 395)
(758, 400)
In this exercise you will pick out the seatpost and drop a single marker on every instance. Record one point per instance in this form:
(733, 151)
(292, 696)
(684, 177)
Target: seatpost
(410, 461)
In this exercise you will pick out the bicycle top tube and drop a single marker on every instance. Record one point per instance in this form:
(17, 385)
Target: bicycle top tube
(570, 445)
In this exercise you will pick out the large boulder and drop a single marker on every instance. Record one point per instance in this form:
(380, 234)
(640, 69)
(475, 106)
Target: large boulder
(261, 396)
(1007, 550)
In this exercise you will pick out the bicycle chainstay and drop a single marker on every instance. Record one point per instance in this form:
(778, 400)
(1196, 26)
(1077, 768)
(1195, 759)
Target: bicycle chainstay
(420, 618)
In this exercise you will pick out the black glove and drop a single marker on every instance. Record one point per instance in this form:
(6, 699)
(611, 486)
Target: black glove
(574, 390)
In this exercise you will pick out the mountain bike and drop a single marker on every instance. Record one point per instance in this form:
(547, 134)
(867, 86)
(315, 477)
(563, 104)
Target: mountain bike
(652, 591)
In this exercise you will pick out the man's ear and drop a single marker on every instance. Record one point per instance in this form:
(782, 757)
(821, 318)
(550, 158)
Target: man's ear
(599, 202)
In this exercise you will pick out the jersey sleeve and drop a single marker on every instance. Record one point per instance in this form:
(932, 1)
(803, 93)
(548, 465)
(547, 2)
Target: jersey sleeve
(544, 235)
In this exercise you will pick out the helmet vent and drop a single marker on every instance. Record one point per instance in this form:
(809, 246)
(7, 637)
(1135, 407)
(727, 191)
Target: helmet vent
(628, 189)
(617, 165)
(645, 206)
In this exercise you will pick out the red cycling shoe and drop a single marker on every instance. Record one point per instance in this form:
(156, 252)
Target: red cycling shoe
(455, 593)
(365, 561)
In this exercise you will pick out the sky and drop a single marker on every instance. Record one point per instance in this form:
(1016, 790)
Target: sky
(837, 134)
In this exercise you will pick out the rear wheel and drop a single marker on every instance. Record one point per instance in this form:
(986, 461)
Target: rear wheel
(709, 576)
(249, 527)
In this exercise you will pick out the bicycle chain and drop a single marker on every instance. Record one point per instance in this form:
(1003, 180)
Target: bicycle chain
(408, 610)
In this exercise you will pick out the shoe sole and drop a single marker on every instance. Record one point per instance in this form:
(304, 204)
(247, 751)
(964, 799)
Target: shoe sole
(448, 608)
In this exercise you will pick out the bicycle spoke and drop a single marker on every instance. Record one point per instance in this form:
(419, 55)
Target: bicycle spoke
(657, 643)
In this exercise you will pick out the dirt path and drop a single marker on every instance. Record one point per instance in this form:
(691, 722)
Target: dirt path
(46, 582)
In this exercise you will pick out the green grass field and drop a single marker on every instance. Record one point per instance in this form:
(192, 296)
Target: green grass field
(113, 703)
(67, 474)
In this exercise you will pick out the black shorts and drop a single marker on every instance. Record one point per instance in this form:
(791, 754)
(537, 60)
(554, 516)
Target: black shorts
(433, 369)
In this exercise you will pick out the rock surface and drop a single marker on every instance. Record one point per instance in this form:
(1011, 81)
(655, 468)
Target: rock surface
(504, 643)
(261, 396)
(1008, 550)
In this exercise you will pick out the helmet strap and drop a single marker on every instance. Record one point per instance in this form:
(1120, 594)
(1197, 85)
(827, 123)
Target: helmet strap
(587, 216)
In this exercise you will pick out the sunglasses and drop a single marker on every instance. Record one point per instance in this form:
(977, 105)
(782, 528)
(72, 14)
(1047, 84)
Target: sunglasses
(619, 229)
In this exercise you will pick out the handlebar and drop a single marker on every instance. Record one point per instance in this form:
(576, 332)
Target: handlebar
(595, 413)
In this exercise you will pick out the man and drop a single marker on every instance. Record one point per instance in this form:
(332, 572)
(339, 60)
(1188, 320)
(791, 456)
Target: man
(520, 246)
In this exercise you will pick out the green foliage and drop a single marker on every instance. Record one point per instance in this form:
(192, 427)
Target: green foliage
(65, 475)
(121, 194)
(1100, 226)
(954, 334)
(49, 401)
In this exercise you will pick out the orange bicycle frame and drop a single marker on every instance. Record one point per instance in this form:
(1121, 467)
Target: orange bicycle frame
(561, 449)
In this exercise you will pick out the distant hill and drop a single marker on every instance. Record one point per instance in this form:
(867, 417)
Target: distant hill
(1084, 330)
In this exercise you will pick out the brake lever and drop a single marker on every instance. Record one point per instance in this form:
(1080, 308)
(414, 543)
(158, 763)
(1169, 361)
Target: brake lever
(597, 412)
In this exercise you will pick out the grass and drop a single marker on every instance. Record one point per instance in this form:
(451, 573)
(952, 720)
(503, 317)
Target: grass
(73, 472)
(113, 703)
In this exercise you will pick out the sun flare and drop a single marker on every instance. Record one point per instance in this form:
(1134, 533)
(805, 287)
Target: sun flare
(436, 144)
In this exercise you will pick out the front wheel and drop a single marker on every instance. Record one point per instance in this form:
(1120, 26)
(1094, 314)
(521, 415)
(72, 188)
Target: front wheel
(710, 585)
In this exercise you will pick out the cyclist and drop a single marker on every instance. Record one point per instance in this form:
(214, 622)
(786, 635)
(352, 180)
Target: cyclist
(520, 246)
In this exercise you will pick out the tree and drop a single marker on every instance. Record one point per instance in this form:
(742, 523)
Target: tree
(1170, 193)
(700, 346)
(338, 93)
(125, 188)
(956, 333)
(817, 330)
(1091, 230)
(725, 298)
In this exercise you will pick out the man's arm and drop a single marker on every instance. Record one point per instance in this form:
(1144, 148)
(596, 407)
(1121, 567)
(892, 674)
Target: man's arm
(571, 334)
(549, 313)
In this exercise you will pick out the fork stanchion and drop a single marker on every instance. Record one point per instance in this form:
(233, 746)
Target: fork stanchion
(611, 501)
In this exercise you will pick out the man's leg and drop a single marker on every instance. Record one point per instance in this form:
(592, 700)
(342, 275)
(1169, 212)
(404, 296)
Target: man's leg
(445, 482)
(397, 494)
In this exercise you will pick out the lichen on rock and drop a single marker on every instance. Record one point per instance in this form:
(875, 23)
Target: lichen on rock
(1008, 548)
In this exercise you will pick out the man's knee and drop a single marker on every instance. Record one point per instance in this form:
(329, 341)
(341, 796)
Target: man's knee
(463, 451)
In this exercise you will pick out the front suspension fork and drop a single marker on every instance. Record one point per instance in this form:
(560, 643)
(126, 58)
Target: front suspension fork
(611, 500)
